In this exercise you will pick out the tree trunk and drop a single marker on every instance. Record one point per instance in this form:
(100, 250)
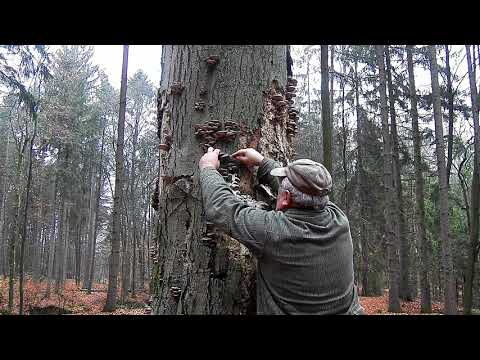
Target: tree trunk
(390, 238)
(199, 84)
(14, 227)
(398, 209)
(425, 248)
(25, 212)
(97, 207)
(450, 114)
(327, 129)
(3, 209)
(111, 302)
(51, 243)
(475, 192)
(132, 227)
(450, 303)
(91, 225)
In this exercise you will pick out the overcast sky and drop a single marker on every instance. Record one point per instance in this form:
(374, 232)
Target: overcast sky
(145, 57)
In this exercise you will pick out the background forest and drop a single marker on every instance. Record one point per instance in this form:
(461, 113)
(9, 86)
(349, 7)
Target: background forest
(80, 162)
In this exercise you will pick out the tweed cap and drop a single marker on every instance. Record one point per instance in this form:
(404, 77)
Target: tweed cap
(306, 175)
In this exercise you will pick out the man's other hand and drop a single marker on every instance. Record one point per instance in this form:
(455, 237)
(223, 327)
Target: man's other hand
(248, 157)
(210, 158)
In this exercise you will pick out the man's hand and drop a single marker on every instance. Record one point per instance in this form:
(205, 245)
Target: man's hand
(248, 157)
(210, 158)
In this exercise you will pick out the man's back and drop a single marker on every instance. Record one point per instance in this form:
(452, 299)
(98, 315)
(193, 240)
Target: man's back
(306, 267)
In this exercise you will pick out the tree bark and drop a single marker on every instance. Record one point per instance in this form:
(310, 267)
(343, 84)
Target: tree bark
(327, 128)
(111, 302)
(450, 303)
(191, 276)
(426, 303)
(390, 239)
(475, 192)
(398, 208)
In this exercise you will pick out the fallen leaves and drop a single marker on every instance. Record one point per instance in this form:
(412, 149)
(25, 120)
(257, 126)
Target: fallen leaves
(72, 298)
(379, 306)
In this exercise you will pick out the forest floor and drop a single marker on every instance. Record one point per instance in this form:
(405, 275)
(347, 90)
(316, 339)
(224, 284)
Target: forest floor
(378, 305)
(73, 301)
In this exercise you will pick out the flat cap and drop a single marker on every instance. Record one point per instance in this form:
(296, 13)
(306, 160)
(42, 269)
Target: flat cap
(306, 175)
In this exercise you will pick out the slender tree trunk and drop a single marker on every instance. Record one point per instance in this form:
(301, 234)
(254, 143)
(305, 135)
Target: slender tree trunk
(450, 303)
(14, 228)
(398, 208)
(51, 243)
(361, 187)
(111, 302)
(344, 147)
(191, 276)
(475, 192)
(3, 209)
(426, 303)
(97, 207)
(450, 114)
(392, 245)
(25, 212)
(132, 227)
(327, 128)
(91, 225)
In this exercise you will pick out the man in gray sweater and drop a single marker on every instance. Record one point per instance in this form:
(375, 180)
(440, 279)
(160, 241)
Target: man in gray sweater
(304, 248)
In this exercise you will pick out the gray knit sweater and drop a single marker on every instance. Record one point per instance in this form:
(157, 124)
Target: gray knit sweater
(305, 256)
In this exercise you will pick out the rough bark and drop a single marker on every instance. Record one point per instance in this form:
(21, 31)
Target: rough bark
(447, 261)
(111, 302)
(327, 128)
(390, 238)
(425, 300)
(199, 84)
(398, 208)
(475, 192)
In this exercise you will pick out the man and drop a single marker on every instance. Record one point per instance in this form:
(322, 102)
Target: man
(304, 248)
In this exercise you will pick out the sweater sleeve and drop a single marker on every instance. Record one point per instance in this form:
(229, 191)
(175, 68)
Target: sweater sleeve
(247, 224)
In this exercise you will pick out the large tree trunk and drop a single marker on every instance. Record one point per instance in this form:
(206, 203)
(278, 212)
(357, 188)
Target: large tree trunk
(398, 209)
(390, 238)
(426, 303)
(327, 128)
(450, 303)
(200, 84)
(111, 302)
(475, 192)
